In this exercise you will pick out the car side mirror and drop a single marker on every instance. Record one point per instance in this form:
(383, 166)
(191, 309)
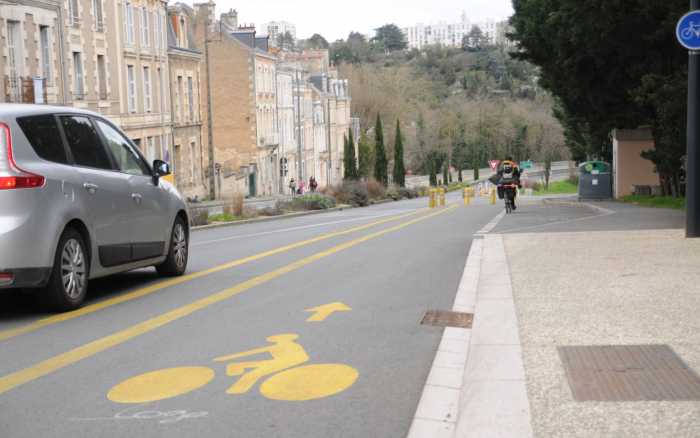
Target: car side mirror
(160, 168)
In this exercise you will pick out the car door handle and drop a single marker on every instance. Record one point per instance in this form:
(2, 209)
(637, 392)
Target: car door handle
(137, 197)
(91, 188)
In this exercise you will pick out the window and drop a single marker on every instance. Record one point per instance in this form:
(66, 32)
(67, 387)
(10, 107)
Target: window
(15, 59)
(127, 159)
(180, 93)
(131, 88)
(97, 11)
(190, 97)
(84, 143)
(44, 136)
(145, 30)
(129, 23)
(147, 89)
(78, 78)
(182, 34)
(156, 26)
(102, 76)
(193, 160)
(73, 13)
(45, 52)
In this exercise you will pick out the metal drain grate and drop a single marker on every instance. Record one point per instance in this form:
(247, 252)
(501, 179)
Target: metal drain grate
(443, 318)
(628, 373)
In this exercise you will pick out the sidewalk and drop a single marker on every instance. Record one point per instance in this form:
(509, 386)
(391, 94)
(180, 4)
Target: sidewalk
(531, 295)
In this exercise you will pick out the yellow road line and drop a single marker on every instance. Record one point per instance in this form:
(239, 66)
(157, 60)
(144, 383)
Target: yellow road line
(7, 334)
(63, 360)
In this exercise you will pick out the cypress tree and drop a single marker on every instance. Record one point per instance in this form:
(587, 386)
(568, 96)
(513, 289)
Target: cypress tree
(350, 159)
(365, 159)
(399, 169)
(380, 161)
(346, 154)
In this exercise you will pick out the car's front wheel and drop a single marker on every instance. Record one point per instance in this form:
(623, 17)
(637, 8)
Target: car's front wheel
(68, 282)
(178, 251)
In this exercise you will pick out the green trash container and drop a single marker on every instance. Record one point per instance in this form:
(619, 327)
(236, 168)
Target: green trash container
(595, 180)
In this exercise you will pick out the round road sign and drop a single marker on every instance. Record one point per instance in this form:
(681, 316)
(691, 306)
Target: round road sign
(688, 30)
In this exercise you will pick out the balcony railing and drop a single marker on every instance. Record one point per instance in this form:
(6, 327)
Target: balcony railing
(24, 90)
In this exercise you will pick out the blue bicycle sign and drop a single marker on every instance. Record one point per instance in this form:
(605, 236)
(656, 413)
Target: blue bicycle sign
(688, 30)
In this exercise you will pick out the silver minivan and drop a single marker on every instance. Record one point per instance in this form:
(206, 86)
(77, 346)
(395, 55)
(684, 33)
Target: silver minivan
(78, 201)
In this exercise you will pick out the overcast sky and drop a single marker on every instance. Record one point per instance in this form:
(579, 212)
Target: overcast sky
(334, 19)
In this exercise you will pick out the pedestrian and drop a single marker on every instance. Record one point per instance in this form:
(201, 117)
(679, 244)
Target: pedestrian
(301, 187)
(313, 184)
(293, 186)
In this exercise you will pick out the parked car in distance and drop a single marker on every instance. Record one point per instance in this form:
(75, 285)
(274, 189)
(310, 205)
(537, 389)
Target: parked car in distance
(78, 201)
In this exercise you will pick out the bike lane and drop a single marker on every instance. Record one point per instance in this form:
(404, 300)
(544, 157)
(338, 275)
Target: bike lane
(387, 283)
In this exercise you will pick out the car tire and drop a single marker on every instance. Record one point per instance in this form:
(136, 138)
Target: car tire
(68, 282)
(178, 251)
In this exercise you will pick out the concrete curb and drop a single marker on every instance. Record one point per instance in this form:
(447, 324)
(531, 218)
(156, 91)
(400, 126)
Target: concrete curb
(270, 218)
(476, 386)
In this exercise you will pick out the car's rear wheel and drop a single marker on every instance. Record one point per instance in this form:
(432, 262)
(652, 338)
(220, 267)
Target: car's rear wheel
(178, 251)
(68, 282)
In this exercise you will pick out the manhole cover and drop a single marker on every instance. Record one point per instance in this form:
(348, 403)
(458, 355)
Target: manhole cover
(628, 373)
(443, 318)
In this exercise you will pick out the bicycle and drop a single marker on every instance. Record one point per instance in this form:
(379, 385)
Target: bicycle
(509, 191)
(692, 31)
(284, 377)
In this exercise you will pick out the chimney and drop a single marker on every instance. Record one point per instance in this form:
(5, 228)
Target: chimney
(229, 20)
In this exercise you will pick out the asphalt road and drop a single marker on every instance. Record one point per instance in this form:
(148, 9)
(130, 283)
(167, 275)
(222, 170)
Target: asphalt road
(353, 369)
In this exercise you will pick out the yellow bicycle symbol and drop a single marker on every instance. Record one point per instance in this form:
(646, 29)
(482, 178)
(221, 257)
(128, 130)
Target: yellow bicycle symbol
(288, 380)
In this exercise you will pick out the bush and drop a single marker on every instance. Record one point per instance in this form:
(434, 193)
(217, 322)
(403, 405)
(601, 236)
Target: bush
(573, 180)
(408, 193)
(311, 201)
(350, 192)
(393, 193)
(199, 217)
(235, 205)
(375, 190)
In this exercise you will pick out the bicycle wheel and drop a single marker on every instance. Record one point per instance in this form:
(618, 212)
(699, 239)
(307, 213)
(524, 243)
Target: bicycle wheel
(309, 382)
(160, 384)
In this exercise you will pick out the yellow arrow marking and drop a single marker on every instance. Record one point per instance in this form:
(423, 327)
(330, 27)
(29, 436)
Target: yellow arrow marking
(323, 312)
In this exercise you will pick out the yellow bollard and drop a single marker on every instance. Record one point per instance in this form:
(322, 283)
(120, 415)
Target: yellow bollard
(442, 197)
(433, 194)
(465, 195)
(493, 196)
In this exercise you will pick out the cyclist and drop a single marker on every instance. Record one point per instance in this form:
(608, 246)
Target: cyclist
(508, 173)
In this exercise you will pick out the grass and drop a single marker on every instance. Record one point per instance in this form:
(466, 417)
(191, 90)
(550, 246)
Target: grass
(656, 201)
(226, 217)
(558, 188)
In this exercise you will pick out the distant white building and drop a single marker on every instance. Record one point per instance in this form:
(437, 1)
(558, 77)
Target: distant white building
(448, 34)
(274, 29)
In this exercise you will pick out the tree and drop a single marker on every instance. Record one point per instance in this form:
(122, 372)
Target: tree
(285, 41)
(475, 39)
(390, 38)
(600, 78)
(399, 175)
(349, 160)
(380, 160)
(366, 159)
(316, 42)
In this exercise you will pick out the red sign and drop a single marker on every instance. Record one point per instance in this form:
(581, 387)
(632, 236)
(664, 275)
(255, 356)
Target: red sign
(494, 164)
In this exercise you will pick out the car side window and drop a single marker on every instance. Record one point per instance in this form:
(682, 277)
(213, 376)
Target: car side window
(44, 136)
(84, 143)
(128, 160)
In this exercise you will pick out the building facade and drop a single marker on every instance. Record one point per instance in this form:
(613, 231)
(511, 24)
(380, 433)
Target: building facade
(31, 59)
(275, 29)
(450, 34)
(190, 159)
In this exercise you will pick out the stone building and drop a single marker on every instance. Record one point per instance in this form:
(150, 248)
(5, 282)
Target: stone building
(31, 59)
(108, 56)
(240, 88)
(190, 160)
